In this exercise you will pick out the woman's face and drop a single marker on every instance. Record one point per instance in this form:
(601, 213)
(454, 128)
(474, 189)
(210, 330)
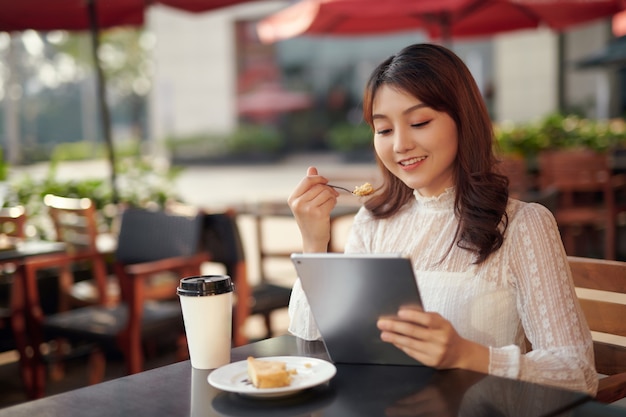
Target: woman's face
(415, 143)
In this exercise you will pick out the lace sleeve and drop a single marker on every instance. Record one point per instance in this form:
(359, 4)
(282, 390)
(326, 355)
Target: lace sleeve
(301, 321)
(562, 348)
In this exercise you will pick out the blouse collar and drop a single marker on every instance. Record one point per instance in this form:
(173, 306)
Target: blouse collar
(444, 200)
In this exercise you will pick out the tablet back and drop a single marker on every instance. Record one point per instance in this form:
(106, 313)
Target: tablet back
(348, 293)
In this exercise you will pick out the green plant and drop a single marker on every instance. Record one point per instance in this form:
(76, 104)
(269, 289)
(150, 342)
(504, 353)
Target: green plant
(349, 137)
(142, 182)
(147, 181)
(250, 138)
(198, 144)
(518, 139)
(4, 167)
(557, 131)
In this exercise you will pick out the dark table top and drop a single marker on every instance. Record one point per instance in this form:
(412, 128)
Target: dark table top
(29, 248)
(356, 390)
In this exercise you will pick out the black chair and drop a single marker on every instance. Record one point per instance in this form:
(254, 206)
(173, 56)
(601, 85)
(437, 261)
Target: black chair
(222, 240)
(150, 244)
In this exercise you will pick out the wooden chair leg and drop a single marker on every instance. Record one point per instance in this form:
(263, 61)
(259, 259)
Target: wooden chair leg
(18, 327)
(58, 349)
(182, 351)
(97, 366)
(268, 324)
(610, 242)
(57, 370)
(569, 241)
(134, 358)
(151, 349)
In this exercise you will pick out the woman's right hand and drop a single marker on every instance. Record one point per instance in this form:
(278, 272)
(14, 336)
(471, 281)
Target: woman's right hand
(311, 203)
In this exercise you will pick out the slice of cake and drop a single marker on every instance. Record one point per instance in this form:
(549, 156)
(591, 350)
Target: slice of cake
(268, 374)
(363, 190)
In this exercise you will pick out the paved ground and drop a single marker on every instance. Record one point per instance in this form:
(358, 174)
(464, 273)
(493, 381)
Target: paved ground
(213, 186)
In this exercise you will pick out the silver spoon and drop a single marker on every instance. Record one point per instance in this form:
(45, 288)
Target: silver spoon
(363, 190)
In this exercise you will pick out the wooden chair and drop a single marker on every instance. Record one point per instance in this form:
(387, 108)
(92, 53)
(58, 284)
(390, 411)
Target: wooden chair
(12, 224)
(587, 195)
(14, 305)
(150, 243)
(268, 295)
(516, 169)
(75, 222)
(601, 288)
(13, 221)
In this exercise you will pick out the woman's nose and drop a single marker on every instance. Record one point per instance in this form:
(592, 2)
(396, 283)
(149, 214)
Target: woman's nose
(402, 142)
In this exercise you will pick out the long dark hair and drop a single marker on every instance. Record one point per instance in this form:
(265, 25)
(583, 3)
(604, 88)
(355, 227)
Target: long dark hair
(441, 80)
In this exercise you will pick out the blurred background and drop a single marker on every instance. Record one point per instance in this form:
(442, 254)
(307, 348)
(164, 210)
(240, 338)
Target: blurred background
(202, 87)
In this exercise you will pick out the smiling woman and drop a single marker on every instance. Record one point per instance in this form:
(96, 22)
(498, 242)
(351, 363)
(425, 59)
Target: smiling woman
(400, 123)
(491, 270)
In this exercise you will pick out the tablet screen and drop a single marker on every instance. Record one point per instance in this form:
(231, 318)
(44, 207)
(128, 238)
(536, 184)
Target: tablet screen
(347, 294)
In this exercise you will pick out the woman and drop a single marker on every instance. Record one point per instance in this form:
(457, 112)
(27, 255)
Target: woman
(492, 271)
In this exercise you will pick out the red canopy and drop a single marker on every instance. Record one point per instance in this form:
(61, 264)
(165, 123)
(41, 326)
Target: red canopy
(92, 15)
(439, 18)
(72, 14)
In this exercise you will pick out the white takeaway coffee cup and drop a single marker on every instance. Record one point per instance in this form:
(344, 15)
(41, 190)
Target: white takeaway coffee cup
(207, 301)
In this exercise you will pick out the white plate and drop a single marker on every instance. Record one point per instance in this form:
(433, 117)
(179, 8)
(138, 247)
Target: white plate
(310, 372)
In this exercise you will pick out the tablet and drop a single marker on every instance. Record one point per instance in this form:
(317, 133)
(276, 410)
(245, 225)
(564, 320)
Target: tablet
(347, 294)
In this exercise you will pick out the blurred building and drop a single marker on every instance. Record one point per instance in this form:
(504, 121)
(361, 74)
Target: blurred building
(524, 75)
(195, 69)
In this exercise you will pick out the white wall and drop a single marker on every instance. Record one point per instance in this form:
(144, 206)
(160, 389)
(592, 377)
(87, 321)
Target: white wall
(526, 68)
(589, 88)
(195, 70)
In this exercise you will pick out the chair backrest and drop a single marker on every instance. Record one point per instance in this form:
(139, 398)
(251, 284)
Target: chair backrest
(574, 170)
(222, 240)
(13, 221)
(601, 288)
(147, 236)
(587, 194)
(516, 170)
(74, 221)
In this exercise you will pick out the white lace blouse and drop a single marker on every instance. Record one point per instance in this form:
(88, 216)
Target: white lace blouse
(523, 289)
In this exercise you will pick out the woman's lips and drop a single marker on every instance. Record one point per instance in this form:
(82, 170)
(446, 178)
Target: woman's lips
(411, 163)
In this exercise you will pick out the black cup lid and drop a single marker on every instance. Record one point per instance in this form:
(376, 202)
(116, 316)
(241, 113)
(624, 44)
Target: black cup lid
(202, 285)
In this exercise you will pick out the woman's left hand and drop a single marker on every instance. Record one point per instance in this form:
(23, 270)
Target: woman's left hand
(432, 340)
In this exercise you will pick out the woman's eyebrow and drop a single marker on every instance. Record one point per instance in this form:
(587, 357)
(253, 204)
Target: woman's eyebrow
(413, 108)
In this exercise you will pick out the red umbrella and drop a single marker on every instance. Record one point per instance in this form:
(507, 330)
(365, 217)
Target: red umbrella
(73, 14)
(93, 15)
(439, 18)
(68, 14)
(270, 100)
